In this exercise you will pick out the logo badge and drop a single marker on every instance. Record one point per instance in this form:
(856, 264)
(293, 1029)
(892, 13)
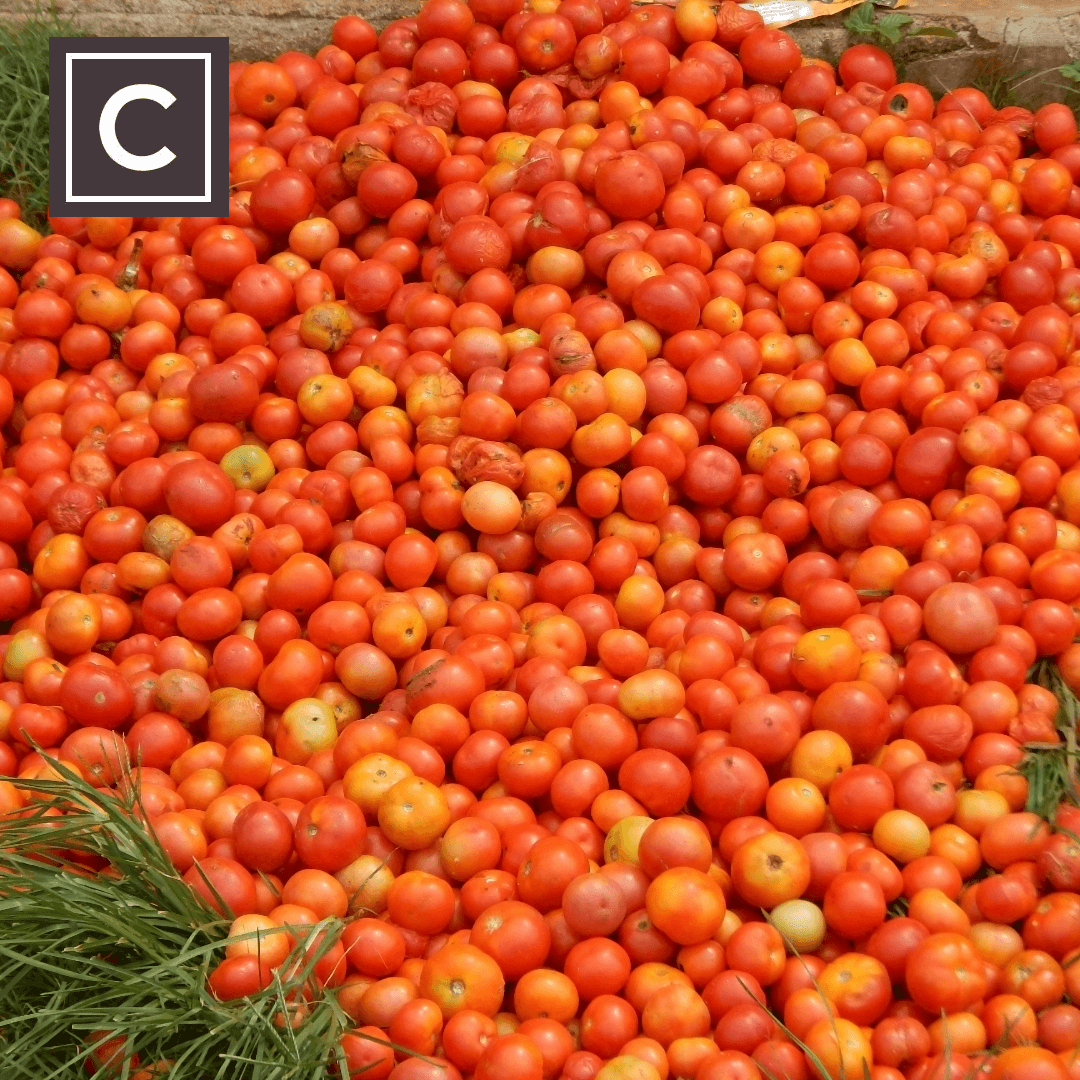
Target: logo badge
(138, 127)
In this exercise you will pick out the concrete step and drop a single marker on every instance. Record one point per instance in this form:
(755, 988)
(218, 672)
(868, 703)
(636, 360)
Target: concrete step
(1042, 23)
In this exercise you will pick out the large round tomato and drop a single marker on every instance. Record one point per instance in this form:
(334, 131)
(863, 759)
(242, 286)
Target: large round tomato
(945, 971)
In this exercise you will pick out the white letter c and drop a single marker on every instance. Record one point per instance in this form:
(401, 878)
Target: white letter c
(107, 127)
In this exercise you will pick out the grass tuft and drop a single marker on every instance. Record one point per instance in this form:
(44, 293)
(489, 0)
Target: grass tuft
(24, 108)
(1051, 769)
(101, 935)
(997, 77)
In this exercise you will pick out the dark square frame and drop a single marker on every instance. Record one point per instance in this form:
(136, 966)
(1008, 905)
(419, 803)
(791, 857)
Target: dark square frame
(64, 197)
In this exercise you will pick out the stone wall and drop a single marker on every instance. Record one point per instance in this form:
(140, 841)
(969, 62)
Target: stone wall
(256, 29)
(1023, 41)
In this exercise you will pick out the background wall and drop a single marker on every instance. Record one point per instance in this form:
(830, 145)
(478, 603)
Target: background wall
(257, 29)
(1020, 41)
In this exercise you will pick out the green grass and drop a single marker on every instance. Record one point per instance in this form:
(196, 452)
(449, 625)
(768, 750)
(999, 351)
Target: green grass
(128, 952)
(24, 109)
(1051, 769)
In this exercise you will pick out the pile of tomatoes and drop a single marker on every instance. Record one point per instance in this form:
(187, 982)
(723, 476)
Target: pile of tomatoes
(585, 520)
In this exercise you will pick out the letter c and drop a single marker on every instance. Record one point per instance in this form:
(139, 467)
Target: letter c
(107, 127)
